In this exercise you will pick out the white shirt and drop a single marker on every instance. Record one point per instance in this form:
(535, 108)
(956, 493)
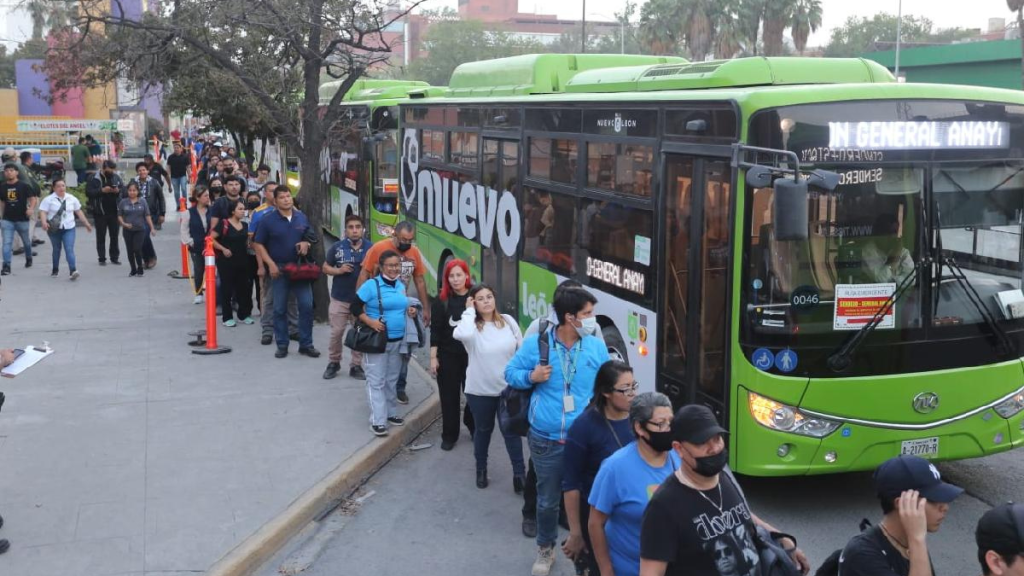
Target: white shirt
(489, 351)
(51, 205)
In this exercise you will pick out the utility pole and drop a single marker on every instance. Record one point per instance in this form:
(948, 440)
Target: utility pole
(583, 40)
(899, 34)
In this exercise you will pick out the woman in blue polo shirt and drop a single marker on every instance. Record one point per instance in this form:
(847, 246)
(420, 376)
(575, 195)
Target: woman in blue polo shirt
(382, 370)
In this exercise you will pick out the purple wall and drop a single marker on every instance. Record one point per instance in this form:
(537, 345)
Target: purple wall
(130, 9)
(28, 81)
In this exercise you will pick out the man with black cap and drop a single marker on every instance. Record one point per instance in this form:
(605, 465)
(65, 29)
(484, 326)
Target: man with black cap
(698, 522)
(1000, 537)
(915, 501)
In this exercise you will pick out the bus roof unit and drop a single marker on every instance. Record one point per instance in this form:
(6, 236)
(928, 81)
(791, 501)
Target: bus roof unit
(759, 71)
(538, 73)
(369, 89)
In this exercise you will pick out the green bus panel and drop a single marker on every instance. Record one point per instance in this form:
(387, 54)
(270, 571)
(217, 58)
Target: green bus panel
(438, 247)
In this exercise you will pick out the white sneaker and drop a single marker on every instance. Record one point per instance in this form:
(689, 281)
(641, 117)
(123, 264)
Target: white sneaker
(545, 560)
(198, 299)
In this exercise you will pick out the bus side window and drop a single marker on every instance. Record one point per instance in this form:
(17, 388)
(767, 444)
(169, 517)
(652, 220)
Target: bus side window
(550, 230)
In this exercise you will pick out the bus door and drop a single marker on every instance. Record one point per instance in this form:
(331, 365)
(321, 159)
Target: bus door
(694, 320)
(501, 172)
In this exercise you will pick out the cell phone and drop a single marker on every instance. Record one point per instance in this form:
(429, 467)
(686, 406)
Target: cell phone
(17, 353)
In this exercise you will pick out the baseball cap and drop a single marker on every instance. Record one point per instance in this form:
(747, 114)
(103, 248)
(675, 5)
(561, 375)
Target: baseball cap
(1001, 529)
(897, 475)
(9, 152)
(696, 424)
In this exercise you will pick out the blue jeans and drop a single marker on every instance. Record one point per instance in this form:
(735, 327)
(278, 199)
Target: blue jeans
(404, 374)
(65, 238)
(303, 292)
(9, 228)
(180, 188)
(485, 413)
(547, 461)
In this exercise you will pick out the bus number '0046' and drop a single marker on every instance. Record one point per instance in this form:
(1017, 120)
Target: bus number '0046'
(616, 275)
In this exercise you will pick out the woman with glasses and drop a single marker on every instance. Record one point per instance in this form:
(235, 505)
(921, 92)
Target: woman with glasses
(602, 429)
(382, 305)
(491, 340)
(623, 487)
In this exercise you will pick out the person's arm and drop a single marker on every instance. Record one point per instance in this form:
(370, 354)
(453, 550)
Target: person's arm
(466, 331)
(436, 318)
(651, 567)
(574, 544)
(523, 371)
(330, 266)
(83, 220)
(421, 289)
(218, 246)
(359, 311)
(149, 221)
(183, 229)
(915, 525)
(599, 543)
(261, 251)
(798, 555)
(369, 268)
(120, 216)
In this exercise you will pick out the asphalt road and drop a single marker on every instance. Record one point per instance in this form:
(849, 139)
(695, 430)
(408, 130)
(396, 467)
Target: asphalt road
(422, 514)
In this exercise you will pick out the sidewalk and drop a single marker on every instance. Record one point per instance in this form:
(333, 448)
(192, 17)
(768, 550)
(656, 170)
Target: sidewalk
(124, 453)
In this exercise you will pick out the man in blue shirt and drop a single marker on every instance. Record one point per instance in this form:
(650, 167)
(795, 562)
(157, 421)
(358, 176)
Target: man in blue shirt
(282, 236)
(344, 261)
(266, 289)
(561, 391)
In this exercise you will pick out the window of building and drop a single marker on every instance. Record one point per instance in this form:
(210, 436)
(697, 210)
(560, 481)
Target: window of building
(553, 159)
(625, 168)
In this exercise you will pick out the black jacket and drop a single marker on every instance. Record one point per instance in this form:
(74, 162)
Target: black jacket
(155, 198)
(104, 204)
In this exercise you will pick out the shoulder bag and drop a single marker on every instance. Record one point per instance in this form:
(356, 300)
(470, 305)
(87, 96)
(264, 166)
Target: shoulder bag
(513, 403)
(363, 338)
(775, 559)
(55, 222)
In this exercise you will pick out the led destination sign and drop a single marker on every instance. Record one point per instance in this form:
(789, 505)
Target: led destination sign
(919, 135)
(616, 275)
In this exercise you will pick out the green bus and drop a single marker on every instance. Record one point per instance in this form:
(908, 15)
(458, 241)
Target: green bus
(361, 159)
(829, 259)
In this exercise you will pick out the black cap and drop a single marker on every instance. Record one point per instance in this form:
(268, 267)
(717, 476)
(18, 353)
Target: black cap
(897, 475)
(1001, 529)
(695, 424)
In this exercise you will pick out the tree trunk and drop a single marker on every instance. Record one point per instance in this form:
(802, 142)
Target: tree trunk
(263, 151)
(313, 198)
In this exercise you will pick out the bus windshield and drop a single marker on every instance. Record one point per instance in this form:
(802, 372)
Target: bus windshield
(957, 219)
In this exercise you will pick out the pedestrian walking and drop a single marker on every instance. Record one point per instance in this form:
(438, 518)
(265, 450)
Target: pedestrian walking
(1000, 538)
(57, 214)
(560, 394)
(699, 522)
(914, 502)
(29, 172)
(281, 238)
(603, 428)
(621, 489)
(157, 171)
(491, 340)
(382, 305)
(16, 208)
(551, 319)
(152, 192)
(105, 190)
(344, 261)
(194, 230)
(179, 164)
(80, 160)
(134, 217)
(231, 240)
(448, 358)
(413, 271)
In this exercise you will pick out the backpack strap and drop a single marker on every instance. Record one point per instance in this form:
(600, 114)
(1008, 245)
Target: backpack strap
(542, 343)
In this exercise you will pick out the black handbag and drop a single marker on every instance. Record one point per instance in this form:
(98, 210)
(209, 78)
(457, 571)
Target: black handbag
(514, 403)
(363, 338)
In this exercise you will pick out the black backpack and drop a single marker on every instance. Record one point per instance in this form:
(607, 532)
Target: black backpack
(513, 403)
(830, 567)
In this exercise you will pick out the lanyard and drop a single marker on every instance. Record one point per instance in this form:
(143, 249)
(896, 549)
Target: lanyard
(568, 361)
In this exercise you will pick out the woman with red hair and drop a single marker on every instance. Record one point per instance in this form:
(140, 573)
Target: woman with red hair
(448, 358)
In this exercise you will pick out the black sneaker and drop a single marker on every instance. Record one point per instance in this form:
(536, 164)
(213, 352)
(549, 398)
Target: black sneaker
(281, 353)
(481, 479)
(6, 270)
(266, 339)
(103, 262)
(4, 546)
(403, 398)
(379, 430)
(18, 251)
(311, 352)
(517, 484)
(332, 370)
(28, 263)
(133, 274)
(357, 373)
(396, 421)
(37, 242)
(55, 273)
(115, 262)
(141, 272)
(529, 527)
(446, 445)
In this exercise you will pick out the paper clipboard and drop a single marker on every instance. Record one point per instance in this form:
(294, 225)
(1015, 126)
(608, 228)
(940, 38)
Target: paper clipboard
(30, 358)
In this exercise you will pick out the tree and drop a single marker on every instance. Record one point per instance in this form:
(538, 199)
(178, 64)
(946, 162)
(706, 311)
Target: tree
(450, 42)
(7, 76)
(624, 39)
(806, 19)
(859, 35)
(778, 15)
(276, 51)
(661, 27)
(47, 14)
(699, 29)
(1018, 7)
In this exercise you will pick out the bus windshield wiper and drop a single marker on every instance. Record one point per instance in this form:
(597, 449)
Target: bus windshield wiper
(841, 359)
(1003, 340)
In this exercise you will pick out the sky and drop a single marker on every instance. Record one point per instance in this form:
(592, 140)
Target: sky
(944, 13)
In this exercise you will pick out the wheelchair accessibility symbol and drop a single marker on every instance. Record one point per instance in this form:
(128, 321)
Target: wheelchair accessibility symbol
(763, 359)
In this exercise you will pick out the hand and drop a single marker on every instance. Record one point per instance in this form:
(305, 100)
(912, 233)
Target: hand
(88, 227)
(912, 515)
(302, 248)
(426, 315)
(226, 252)
(433, 367)
(275, 272)
(160, 220)
(377, 325)
(347, 268)
(797, 554)
(6, 357)
(46, 226)
(540, 374)
(152, 232)
(411, 311)
(573, 545)
(261, 271)
(127, 225)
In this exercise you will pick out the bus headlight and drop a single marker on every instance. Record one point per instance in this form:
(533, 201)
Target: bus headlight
(293, 182)
(384, 230)
(778, 416)
(1011, 406)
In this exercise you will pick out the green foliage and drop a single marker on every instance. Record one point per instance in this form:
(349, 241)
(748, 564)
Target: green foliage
(6, 68)
(860, 35)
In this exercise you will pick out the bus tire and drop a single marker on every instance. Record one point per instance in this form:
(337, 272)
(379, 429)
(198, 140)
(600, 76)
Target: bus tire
(615, 343)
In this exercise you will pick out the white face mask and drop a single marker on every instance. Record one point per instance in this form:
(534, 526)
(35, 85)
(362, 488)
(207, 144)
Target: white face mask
(589, 327)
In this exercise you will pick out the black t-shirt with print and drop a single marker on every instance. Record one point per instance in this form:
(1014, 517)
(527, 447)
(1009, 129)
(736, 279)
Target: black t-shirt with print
(871, 554)
(689, 531)
(15, 197)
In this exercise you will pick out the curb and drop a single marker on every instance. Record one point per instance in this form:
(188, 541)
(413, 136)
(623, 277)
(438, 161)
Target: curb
(323, 496)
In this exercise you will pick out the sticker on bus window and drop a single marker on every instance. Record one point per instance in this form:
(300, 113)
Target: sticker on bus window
(642, 250)
(857, 304)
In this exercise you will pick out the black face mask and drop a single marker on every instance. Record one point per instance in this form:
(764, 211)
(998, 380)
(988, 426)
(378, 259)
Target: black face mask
(229, 170)
(217, 190)
(404, 246)
(710, 466)
(660, 441)
(252, 205)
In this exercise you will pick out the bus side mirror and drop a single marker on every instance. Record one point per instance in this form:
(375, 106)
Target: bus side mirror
(790, 209)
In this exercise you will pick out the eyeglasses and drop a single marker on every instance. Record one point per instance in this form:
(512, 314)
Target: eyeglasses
(660, 426)
(631, 391)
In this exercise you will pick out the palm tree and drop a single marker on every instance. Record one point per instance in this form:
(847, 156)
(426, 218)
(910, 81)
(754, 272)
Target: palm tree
(751, 13)
(777, 17)
(699, 30)
(47, 14)
(730, 36)
(1018, 7)
(660, 27)
(806, 19)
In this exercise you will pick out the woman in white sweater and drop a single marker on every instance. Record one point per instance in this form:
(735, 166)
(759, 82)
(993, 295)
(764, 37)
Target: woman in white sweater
(491, 340)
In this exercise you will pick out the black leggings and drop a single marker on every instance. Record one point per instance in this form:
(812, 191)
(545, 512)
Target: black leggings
(133, 240)
(198, 270)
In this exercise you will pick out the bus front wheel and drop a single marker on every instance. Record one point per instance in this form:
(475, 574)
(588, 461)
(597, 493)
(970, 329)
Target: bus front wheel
(615, 343)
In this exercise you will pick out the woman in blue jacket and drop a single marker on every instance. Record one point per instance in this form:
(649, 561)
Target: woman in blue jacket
(194, 230)
(382, 370)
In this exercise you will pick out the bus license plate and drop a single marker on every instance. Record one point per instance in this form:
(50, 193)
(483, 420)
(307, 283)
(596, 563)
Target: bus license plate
(923, 447)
